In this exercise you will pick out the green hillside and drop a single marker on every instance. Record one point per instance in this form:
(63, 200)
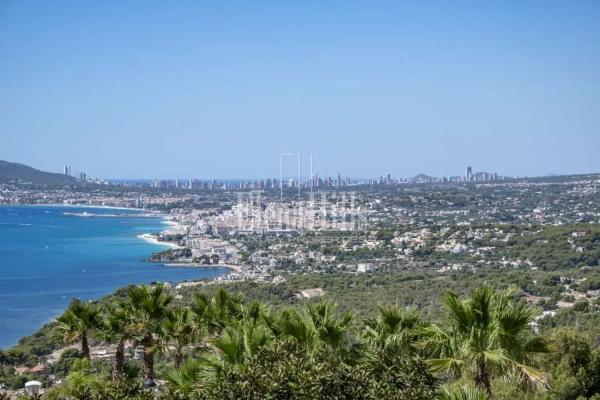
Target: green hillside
(14, 172)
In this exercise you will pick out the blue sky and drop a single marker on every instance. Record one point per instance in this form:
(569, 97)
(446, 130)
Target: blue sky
(132, 89)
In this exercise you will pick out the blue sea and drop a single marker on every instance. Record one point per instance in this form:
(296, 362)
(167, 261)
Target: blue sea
(48, 257)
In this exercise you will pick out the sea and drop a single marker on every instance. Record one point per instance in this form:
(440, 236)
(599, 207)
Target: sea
(52, 254)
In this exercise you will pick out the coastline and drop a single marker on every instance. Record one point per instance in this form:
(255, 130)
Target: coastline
(136, 212)
(146, 237)
(133, 266)
(152, 239)
(174, 226)
(75, 206)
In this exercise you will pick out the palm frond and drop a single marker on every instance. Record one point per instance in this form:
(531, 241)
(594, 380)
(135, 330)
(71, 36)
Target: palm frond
(459, 313)
(184, 379)
(528, 377)
(436, 342)
(452, 366)
(462, 393)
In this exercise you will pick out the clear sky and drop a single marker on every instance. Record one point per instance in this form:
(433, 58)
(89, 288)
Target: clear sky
(132, 89)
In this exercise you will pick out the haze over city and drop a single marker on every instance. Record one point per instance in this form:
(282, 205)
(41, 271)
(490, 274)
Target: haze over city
(214, 90)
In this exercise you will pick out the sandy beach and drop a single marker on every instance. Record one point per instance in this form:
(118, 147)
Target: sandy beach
(175, 227)
(147, 237)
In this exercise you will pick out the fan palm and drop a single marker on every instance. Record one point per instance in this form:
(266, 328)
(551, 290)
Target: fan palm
(331, 329)
(234, 350)
(393, 330)
(295, 324)
(117, 328)
(216, 313)
(237, 344)
(178, 332)
(149, 308)
(462, 393)
(253, 313)
(316, 326)
(78, 321)
(488, 334)
(243, 338)
(183, 380)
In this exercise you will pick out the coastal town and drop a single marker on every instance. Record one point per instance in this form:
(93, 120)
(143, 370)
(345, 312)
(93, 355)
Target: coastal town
(544, 228)
(291, 200)
(354, 229)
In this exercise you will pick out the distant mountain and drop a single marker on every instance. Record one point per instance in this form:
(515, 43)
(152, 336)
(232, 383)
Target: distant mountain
(14, 172)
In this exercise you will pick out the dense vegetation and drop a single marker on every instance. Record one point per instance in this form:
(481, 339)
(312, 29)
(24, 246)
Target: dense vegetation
(220, 346)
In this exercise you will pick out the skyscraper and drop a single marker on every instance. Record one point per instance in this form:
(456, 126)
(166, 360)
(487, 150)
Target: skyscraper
(469, 176)
(67, 170)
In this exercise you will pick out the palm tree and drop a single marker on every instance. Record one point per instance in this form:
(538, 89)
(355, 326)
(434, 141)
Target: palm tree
(489, 334)
(178, 332)
(217, 313)
(242, 333)
(295, 324)
(234, 348)
(117, 328)
(78, 321)
(462, 393)
(332, 329)
(253, 313)
(238, 344)
(316, 327)
(149, 308)
(393, 330)
(182, 381)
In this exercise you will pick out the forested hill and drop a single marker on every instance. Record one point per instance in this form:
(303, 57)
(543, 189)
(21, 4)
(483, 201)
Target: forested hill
(14, 172)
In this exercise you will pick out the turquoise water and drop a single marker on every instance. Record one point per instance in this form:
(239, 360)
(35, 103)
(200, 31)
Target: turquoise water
(47, 258)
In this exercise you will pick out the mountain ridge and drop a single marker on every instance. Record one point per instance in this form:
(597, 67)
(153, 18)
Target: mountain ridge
(21, 173)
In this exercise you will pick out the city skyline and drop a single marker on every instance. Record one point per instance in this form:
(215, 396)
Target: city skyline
(305, 177)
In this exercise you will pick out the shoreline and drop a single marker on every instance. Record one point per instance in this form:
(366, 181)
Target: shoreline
(172, 224)
(143, 213)
(152, 239)
(74, 206)
(146, 237)
(165, 223)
